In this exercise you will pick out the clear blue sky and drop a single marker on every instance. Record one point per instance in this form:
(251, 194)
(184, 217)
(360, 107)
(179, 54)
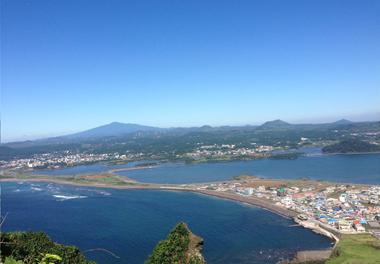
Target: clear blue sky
(71, 65)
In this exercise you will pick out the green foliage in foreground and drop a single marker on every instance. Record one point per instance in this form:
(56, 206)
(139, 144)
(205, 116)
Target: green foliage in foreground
(356, 249)
(37, 247)
(175, 248)
(11, 260)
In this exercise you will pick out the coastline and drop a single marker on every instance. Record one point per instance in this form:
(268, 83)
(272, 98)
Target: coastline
(351, 153)
(261, 203)
(258, 202)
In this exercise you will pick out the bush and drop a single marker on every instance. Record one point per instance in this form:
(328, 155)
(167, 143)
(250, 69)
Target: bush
(10, 260)
(35, 247)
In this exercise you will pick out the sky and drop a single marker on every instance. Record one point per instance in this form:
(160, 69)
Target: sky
(71, 65)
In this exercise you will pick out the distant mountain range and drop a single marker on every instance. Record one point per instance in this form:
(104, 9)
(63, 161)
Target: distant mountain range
(170, 143)
(117, 129)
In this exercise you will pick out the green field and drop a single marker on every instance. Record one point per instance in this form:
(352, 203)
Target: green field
(105, 178)
(100, 178)
(356, 249)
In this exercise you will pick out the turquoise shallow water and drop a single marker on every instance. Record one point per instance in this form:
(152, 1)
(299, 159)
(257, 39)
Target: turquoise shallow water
(131, 222)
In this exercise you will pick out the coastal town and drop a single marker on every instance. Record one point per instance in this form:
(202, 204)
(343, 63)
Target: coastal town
(61, 159)
(328, 208)
(216, 151)
(335, 208)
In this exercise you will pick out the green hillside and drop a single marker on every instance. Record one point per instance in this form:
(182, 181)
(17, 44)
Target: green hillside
(352, 249)
(180, 246)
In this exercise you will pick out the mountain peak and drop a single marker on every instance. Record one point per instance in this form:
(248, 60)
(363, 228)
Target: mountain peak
(342, 122)
(112, 129)
(278, 123)
(115, 123)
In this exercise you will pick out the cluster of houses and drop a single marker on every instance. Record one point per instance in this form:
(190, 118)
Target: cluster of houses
(348, 209)
(59, 159)
(228, 150)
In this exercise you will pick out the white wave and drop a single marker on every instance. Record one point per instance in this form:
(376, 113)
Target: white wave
(81, 189)
(36, 189)
(53, 188)
(68, 197)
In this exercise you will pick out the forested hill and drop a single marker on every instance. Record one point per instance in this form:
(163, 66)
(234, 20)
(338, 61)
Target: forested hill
(351, 146)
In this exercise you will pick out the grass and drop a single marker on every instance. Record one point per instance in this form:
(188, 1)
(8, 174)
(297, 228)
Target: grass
(356, 249)
(13, 174)
(102, 178)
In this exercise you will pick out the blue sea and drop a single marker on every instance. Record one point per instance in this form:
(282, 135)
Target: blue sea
(356, 168)
(129, 223)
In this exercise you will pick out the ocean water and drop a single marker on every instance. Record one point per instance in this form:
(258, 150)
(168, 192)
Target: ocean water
(130, 222)
(83, 169)
(358, 168)
(80, 169)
